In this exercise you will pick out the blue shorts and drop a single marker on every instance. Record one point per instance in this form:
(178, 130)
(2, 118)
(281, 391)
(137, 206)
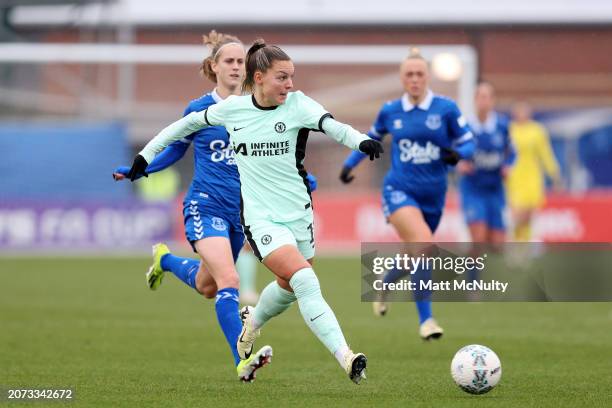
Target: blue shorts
(429, 199)
(203, 223)
(482, 205)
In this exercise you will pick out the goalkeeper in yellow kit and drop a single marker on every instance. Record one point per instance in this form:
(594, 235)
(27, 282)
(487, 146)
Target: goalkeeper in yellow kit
(535, 159)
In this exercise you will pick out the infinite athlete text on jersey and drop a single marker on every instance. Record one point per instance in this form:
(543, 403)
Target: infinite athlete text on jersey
(264, 148)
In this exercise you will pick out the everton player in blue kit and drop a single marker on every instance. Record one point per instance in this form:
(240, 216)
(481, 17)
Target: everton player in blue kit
(429, 134)
(481, 185)
(212, 204)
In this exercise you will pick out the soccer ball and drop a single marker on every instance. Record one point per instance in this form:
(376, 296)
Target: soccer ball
(476, 369)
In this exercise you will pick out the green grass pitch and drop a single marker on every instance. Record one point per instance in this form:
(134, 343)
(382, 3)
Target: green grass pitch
(91, 324)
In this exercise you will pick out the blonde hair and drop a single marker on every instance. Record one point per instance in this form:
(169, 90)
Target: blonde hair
(415, 54)
(215, 42)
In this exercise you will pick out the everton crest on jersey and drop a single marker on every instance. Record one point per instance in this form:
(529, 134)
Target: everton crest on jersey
(433, 121)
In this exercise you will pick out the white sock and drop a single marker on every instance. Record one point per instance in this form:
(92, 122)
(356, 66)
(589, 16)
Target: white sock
(316, 312)
(340, 354)
(273, 301)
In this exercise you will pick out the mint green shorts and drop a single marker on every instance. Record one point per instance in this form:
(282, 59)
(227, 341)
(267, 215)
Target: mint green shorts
(266, 236)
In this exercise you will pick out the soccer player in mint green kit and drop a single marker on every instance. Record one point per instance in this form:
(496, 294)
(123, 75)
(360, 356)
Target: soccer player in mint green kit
(268, 131)
(211, 206)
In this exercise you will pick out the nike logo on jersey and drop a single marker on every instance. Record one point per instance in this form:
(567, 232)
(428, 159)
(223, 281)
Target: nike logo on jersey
(315, 318)
(237, 129)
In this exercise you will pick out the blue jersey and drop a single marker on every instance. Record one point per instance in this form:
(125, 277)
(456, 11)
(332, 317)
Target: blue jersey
(216, 183)
(419, 133)
(493, 151)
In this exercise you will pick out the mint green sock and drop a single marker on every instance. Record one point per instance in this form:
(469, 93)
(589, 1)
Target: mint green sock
(273, 301)
(246, 265)
(316, 312)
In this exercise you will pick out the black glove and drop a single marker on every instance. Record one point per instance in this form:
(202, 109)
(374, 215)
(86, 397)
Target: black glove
(372, 148)
(450, 156)
(345, 175)
(139, 168)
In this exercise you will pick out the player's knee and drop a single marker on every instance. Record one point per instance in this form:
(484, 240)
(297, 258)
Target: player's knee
(304, 282)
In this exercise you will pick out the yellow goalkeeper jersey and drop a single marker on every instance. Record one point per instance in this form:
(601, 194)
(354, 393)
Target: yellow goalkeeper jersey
(534, 159)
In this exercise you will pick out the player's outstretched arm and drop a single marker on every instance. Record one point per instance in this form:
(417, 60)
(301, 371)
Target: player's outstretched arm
(462, 151)
(177, 130)
(343, 133)
(349, 137)
(367, 146)
(165, 159)
(463, 146)
(352, 161)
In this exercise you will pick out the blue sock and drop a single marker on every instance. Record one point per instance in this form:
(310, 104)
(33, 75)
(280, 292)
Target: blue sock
(394, 275)
(472, 274)
(422, 298)
(185, 269)
(226, 305)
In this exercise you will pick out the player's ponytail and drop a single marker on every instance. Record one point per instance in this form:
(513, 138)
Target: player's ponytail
(215, 42)
(260, 57)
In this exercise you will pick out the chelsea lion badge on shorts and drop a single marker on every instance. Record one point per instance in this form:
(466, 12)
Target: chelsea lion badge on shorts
(266, 239)
(218, 224)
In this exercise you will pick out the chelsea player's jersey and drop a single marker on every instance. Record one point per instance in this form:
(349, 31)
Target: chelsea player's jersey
(216, 183)
(493, 150)
(419, 134)
(270, 145)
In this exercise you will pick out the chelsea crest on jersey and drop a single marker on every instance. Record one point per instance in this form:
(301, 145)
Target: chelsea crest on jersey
(269, 145)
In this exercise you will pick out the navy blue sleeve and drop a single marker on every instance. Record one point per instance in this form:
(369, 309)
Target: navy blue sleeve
(168, 157)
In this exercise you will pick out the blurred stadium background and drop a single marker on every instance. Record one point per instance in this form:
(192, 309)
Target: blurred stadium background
(84, 84)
